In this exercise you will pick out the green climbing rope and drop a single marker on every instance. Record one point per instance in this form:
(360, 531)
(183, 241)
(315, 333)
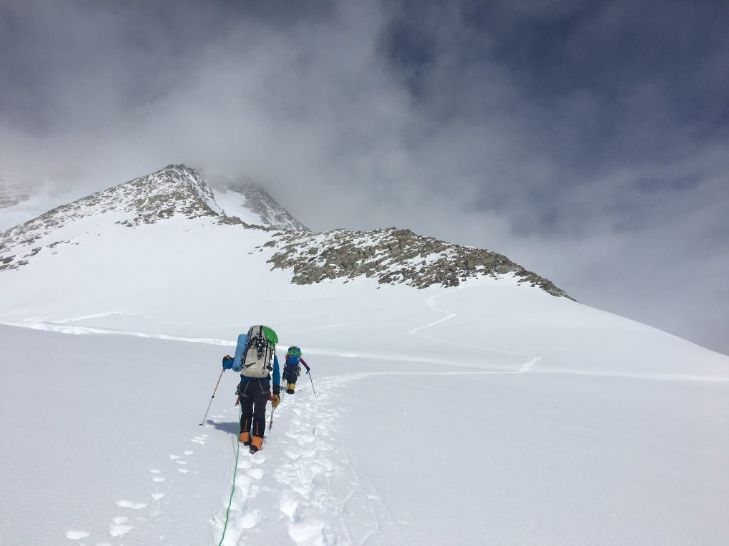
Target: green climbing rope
(232, 486)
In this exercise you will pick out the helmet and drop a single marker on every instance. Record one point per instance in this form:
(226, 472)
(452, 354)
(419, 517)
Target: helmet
(294, 351)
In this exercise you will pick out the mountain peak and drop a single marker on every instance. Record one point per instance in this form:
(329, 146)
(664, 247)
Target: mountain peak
(175, 190)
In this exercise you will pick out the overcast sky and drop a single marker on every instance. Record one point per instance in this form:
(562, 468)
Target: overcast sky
(589, 141)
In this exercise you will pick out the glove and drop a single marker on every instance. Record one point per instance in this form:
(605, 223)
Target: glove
(227, 362)
(275, 400)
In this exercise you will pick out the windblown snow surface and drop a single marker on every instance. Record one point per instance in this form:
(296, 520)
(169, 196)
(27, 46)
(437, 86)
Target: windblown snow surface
(491, 413)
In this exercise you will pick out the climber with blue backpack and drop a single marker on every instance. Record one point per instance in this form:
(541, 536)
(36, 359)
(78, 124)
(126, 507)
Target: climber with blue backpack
(292, 369)
(255, 359)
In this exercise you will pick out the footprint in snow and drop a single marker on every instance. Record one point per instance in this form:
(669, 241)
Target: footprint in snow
(287, 504)
(156, 508)
(183, 470)
(249, 519)
(305, 440)
(293, 453)
(255, 473)
(306, 532)
(118, 527)
(245, 488)
(129, 504)
(74, 534)
(323, 500)
(243, 485)
(299, 480)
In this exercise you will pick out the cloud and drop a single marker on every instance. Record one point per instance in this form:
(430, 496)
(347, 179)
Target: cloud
(584, 139)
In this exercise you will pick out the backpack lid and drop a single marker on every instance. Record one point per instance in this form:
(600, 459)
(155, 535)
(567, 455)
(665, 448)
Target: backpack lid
(270, 334)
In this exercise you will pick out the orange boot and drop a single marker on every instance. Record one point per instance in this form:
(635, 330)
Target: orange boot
(256, 444)
(245, 437)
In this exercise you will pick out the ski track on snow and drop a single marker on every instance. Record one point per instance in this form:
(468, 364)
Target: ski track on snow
(431, 303)
(528, 366)
(61, 328)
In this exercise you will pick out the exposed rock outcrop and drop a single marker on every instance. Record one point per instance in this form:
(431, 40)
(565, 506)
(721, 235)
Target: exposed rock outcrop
(392, 256)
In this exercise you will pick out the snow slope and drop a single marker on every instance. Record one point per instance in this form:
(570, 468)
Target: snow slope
(397, 448)
(252, 204)
(490, 413)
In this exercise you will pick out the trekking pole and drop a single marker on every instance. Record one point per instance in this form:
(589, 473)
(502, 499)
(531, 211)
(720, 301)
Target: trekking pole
(213, 396)
(312, 382)
(270, 423)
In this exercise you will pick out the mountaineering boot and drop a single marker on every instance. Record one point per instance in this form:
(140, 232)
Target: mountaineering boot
(256, 444)
(245, 437)
(290, 388)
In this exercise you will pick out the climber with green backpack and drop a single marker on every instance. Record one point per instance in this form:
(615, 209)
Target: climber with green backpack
(292, 368)
(255, 359)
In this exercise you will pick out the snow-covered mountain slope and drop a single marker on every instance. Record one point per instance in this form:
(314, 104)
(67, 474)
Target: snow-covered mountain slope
(487, 412)
(178, 192)
(172, 191)
(434, 423)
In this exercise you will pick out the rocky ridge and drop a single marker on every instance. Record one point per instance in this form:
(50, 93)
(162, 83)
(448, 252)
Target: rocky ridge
(392, 256)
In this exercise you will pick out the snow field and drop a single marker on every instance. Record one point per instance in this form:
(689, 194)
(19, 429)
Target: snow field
(101, 440)
(489, 414)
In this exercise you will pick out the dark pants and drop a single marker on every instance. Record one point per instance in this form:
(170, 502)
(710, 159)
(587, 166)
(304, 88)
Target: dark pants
(254, 395)
(291, 373)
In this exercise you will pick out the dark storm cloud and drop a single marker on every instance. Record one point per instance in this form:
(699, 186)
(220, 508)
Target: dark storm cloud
(130, 51)
(587, 140)
(575, 89)
(597, 132)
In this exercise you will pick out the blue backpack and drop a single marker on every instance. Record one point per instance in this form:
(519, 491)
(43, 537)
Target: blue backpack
(293, 355)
